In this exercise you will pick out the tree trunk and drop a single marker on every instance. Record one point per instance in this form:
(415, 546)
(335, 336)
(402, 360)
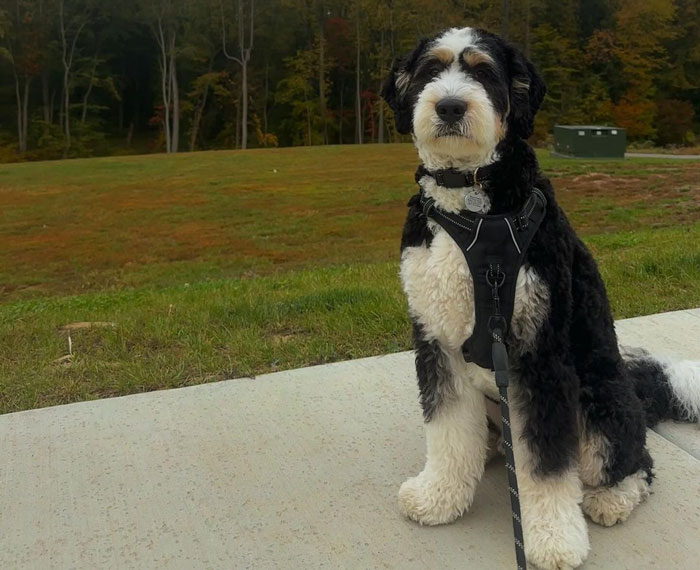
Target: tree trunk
(504, 19)
(175, 95)
(358, 105)
(86, 97)
(380, 127)
(267, 95)
(244, 105)
(197, 119)
(59, 106)
(21, 143)
(46, 98)
(67, 59)
(391, 30)
(130, 134)
(238, 122)
(165, 83)
(53, 107)
(121, 109)
(342, 111)
(166, 109)
(308, 118)
(243, 59)
(322, 79)
(21, 146)
(66, 109)
(25, 112)
(527, 28)
(199, 112)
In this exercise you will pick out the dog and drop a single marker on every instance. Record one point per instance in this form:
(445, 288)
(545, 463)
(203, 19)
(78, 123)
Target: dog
(580, 405)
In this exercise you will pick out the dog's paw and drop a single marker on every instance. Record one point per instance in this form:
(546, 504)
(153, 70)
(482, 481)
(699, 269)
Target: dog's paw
(495, 448)
(558, 545)
(608, 506)
(432, 502)
(603, 508)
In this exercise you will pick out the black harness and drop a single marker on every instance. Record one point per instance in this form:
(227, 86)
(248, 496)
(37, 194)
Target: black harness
(494, 247)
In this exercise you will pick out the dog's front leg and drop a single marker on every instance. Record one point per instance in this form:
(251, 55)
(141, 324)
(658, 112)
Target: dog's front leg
(554, 528)
(456, 437)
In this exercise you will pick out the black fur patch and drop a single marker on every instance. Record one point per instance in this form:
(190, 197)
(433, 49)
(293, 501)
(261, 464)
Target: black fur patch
(653, 389)
(415, 229)
(434, 379)
(402, 99)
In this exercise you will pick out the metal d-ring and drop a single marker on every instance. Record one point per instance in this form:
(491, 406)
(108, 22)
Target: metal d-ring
(499, 276)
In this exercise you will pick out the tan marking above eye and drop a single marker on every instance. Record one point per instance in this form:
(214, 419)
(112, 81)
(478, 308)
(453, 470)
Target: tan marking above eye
(442, 54)
(402, 81)
(473, 57)
(521, 84)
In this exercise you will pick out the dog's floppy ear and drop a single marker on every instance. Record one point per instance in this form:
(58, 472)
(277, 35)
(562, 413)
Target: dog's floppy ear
(395, 88)
(527, 91)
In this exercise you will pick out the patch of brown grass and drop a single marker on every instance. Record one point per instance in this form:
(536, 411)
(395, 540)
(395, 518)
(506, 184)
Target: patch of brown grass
(86, 224)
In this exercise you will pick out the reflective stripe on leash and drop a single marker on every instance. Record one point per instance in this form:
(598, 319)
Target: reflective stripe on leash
(500, 366)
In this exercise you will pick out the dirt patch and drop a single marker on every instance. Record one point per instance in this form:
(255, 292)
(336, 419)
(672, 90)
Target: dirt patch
(85, 325)
(283, 335)
(601, 202)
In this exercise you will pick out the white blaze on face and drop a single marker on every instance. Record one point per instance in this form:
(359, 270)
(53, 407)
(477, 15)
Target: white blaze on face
(479, 131)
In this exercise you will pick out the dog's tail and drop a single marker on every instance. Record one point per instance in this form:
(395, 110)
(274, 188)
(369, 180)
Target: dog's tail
(668, 389)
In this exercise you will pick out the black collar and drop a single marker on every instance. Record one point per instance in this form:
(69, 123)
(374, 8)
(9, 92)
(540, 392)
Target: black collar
(468, 221)
(453, 178)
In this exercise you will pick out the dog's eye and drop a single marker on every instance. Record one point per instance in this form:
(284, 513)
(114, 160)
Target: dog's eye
(480, 74)
(435, 71)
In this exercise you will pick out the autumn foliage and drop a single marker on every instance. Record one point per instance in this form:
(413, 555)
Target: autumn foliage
(86, 77)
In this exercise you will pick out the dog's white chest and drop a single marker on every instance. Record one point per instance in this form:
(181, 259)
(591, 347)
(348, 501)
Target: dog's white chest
(440, 293)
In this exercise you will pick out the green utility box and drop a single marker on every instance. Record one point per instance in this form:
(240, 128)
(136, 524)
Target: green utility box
(589, 141)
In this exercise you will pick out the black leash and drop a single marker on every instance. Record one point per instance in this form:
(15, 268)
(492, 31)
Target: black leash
(497, 326)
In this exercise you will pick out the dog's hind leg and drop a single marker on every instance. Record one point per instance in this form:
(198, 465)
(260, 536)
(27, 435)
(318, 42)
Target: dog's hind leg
(456, 436)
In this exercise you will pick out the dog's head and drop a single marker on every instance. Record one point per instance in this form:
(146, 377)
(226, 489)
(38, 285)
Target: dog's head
(460, 94)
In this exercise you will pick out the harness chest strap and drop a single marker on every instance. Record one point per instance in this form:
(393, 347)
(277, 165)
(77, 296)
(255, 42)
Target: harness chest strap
(494, 247)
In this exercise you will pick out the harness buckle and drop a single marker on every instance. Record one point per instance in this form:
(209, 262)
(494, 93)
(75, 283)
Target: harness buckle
(521, 223)
(440, 178)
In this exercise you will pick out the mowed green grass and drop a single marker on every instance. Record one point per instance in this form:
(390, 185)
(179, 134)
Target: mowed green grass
(226, 264)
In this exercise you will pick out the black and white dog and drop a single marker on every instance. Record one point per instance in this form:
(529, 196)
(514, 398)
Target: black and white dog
(580, 408)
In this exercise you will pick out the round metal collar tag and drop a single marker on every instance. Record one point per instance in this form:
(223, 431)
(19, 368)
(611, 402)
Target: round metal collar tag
(474, 201)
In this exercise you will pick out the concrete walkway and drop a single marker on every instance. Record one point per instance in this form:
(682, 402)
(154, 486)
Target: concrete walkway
(292, 470)
(661, 155)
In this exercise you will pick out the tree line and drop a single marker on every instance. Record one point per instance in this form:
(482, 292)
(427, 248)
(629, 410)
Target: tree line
(85, 77)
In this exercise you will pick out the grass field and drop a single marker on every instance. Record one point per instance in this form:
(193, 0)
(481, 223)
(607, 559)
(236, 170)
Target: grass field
(222, 264)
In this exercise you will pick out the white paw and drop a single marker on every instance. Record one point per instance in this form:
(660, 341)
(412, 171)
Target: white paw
(609, 506)
(560, 544)
(430, 501)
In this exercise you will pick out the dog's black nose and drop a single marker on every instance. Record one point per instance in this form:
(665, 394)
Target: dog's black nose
(451, 110)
